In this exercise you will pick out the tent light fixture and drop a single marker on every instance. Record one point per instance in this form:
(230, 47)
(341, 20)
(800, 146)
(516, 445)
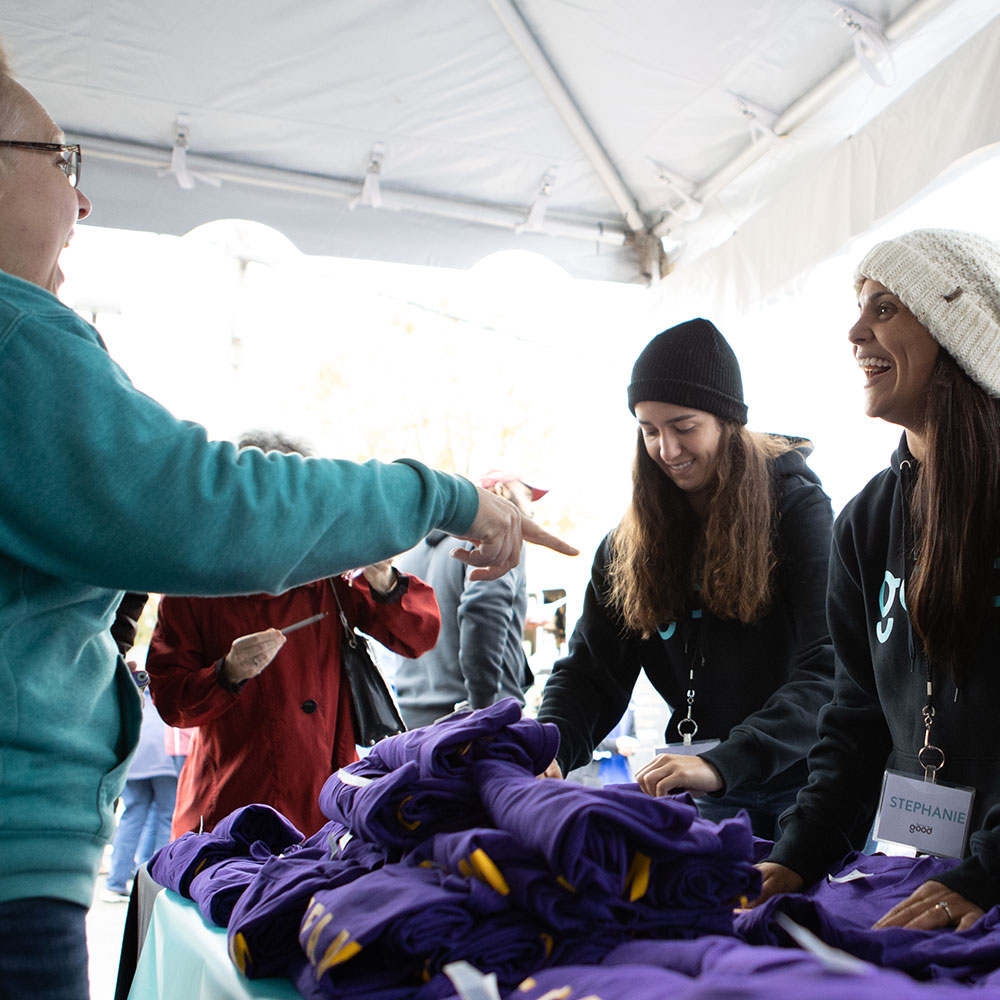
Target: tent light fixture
(185, 177)
(371, 192)
(759, 119)
(871, 47)
(536, 214)
(685, 207)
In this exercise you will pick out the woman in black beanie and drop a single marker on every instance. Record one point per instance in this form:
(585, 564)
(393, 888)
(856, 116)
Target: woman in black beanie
(714, 584)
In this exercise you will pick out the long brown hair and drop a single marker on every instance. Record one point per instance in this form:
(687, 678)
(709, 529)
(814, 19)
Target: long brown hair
(662, 548)
(956, 517)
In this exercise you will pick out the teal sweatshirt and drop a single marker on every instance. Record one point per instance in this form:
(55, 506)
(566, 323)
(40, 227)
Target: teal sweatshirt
(103, 490)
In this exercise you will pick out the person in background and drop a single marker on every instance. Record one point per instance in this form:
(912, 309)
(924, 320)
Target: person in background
(714, 585)
(914, 579)
(273, 711)
(177, 743)
(77, 529)
(479, 657)
(610, 761)
(148, 800)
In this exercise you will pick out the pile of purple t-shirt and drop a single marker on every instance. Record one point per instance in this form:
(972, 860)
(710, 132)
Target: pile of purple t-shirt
(421, 782)
(443, 846)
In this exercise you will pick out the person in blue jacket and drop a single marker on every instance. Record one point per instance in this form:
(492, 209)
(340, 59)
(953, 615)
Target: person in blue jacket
(914, 589)
(148, 798)
(714, 585)
(479, 655)
(77, 529)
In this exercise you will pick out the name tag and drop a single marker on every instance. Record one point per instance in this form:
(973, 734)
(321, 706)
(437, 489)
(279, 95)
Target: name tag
(930, 817)
(691, 749)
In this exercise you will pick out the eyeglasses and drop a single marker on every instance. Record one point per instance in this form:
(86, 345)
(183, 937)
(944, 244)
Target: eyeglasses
(71, 156)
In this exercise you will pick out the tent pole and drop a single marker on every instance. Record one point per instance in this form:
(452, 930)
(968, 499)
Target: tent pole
(606, 233)
(534, 55)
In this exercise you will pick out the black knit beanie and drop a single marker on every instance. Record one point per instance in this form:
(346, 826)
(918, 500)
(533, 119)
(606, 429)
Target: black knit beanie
(690, 365)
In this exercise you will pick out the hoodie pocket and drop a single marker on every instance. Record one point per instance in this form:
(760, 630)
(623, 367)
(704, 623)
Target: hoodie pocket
(129, 701)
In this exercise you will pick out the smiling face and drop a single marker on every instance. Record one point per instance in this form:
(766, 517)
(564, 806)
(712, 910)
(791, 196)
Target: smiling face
(896, 355)
(682, 441)
(38, 206)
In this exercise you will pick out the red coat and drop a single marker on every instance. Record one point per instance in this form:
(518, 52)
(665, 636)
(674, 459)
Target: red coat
(288, 728)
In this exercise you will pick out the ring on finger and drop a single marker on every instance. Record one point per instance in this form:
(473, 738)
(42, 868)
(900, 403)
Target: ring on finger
(942, 905)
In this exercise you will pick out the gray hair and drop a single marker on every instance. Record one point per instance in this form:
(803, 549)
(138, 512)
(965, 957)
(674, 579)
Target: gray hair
(11, 117)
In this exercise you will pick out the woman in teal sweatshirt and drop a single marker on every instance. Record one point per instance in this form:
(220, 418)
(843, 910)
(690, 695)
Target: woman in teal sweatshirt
(190, 516)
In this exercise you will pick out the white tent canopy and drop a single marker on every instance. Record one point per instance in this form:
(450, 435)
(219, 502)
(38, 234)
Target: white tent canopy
(624, 139)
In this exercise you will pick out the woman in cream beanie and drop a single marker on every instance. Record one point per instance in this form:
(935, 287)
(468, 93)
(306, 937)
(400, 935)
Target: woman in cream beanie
(913, 601)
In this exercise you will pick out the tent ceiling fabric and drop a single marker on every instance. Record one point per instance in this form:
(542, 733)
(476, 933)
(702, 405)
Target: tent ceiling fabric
(584, 130)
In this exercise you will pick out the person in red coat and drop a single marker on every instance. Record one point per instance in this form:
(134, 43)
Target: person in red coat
(273, 711)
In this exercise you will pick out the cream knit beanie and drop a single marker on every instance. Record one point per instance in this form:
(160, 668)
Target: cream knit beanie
(949, 280)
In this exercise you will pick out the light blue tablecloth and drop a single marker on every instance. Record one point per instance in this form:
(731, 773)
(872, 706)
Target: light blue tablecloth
(185, 958)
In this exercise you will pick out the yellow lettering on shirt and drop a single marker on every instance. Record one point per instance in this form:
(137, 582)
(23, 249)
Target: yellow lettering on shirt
(239, 952)
(637, 876)
(488, 872)
(340, 950)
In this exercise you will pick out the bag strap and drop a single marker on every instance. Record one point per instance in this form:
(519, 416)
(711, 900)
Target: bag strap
(348, 628)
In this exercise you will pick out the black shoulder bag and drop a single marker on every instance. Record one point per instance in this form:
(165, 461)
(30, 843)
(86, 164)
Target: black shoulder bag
(373, 709)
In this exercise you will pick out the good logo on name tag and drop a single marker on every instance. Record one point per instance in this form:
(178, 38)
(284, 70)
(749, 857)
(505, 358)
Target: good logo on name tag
(931, 817)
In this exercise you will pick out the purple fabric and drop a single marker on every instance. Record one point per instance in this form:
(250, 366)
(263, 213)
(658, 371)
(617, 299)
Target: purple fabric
(841, 914)
(509, 945)
(761, 849)
(447, 748)
(217, 889)
(303, 976)
(723, 969)
(402, 924)
(712, 954)
(588, 921)
(264, 923)
(243, 827)
(523, 875)
(591, 837)
(577, 981)
(647, 982)
(447, 741)
(401, 911)
(336, 842)
(175, 865)
(322, 845)
(400, 809)
(727, 967)
(421, 782)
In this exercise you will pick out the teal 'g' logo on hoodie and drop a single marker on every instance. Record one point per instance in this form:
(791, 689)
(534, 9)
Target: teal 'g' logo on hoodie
(891, 586)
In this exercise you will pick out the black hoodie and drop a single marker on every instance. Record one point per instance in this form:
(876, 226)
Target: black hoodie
(760, 687)
(874, 720)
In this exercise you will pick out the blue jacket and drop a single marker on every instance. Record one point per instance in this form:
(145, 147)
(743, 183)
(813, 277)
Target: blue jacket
(102, 490)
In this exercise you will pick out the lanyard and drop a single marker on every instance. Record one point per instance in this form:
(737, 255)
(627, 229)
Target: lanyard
(687, 727)
(930, 756)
